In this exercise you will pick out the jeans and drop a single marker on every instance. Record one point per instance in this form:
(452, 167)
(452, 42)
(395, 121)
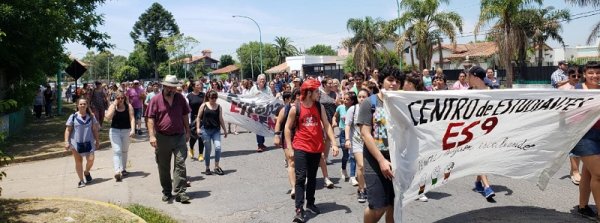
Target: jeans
(119, 140)
(260, 140)
(352, 165)
(167, 147)
(209, 137)
(306, 165)
(345, 152)
(48, 108)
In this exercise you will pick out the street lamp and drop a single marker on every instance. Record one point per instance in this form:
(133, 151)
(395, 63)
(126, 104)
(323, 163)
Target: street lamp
(401, 47)
(260, 39)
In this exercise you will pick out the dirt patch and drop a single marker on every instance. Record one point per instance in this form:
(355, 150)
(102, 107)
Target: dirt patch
(43, 136)
(53, 210)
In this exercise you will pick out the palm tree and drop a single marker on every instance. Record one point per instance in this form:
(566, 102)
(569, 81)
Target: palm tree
(284, 48)
(424, 18)
(596, 4)
(505, 11)
(547, 24)
(368, 35)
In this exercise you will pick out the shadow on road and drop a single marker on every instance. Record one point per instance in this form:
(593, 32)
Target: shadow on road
(138, 174)
(237, 153)
(332, 206)
(437, 195)
(198, 194)
(500, 188)
(514, 214)
(98, 180)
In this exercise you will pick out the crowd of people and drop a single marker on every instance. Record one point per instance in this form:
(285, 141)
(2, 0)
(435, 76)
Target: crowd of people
(179, 115)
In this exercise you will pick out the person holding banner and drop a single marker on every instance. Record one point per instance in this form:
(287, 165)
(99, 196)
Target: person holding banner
(588, 149)
(378, 167)
(307, 152)
(260, 87)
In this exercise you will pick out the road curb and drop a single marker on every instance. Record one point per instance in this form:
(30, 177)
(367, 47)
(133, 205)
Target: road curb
(51, 155)
(101, 203)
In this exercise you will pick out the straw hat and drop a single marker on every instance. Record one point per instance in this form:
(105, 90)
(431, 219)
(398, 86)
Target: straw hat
(171, 81)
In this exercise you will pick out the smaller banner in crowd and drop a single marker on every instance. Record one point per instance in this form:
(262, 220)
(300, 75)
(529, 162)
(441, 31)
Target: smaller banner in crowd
(256, 113)
(435, 137)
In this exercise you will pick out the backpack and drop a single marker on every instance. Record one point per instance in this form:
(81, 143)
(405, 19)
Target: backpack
(373, 100)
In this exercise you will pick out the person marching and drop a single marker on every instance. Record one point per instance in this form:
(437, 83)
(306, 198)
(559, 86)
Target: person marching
(169, 130)
(195, 100)
(122, 119)
(355, 143)
(82, 138)
(208, 124)
(288, 99)
(307, 151)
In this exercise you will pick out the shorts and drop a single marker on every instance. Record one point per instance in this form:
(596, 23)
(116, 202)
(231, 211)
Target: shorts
(137, 113)
(380, 190)
(589, 144)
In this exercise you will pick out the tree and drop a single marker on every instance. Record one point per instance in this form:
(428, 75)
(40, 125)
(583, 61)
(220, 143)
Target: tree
(33, 36)
(349, 66)
(126, 73)
(140, 60)
(226, 60)
(320, 50)
(179, 48)
(594, 3)
(152, 26)
(428, 25)
(284, 48)
(248, 55)
(547, 24)
(505, 11)
(368, 36)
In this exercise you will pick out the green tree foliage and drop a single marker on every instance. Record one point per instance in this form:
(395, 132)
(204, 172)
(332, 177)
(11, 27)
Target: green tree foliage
(140, 60)
(368, 36)
(349, 66)
(320, 50)
(547, 23)
(249, 52)
(428, 24)
(387, 58)
(226, 60)
(98, 65)
(33, 36)
(284, 48)
(503, 11)
(153, 26)
(179, 48)
(6, 106)
(125, 73)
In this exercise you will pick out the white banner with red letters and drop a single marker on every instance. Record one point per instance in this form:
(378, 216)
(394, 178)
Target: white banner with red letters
(256, 113)
(435, 137)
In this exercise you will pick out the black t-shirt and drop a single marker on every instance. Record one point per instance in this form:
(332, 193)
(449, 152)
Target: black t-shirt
(48, 95)
(195, 102)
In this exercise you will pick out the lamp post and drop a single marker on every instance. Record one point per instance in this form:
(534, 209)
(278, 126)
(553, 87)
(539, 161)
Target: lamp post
(259, 37)
(402, 44)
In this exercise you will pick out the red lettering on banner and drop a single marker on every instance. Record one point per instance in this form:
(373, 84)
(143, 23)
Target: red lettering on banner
(234, 108)
(271, 122)
(488, 125)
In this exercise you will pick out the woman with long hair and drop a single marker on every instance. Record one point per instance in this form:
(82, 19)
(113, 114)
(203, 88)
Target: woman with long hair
(339, 120)
(122, 119)
(355, 143)
(195, 100)
(82, 139)
(208, 124)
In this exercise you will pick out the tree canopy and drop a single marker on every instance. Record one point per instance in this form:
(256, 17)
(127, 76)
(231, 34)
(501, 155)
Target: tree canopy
(226, 60)
(320, 50)
(153, 26)
(248, 54)
(284, 48)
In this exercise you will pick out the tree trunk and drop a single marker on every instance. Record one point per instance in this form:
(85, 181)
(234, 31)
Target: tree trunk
(441, 59)
(522, 56)
(540, 54)
(412, 53)
(507, 52)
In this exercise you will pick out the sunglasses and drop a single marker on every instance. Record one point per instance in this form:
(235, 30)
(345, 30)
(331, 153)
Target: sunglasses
(575, 76)
(213, 97)
(120, 98)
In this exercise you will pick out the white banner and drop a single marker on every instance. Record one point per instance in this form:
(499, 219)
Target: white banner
(255, 113)
(522, 134)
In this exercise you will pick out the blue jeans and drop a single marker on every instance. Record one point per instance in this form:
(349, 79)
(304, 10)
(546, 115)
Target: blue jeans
(260, 140)
(345, 152)
(210, 136)
(119, 140)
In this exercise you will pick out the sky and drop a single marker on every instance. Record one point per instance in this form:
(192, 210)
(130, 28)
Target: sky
(305, 22)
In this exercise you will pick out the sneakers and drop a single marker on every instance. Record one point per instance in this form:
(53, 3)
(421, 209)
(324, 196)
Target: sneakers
(344, 175)
(489, 193)
(423, 198)
(586, 212)
(208, 172)
(261, 148)
(166, 197)
(362, 197)
(328, 183)
(118, 177)
(200, 157)
(353, 181)
(299, 217)
(313, 209)
(219, 171)
(81, 184)
(183, 198)
(293, 194)
(479, 187)
(191, 154)
(88, 177)
(124, 173)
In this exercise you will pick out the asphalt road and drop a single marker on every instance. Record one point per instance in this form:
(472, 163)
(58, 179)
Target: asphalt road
(255, 189)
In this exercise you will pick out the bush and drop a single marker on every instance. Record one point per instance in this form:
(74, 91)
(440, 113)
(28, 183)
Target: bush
(150, 215)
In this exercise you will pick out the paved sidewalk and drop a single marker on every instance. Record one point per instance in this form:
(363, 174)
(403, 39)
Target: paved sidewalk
(255, 189)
